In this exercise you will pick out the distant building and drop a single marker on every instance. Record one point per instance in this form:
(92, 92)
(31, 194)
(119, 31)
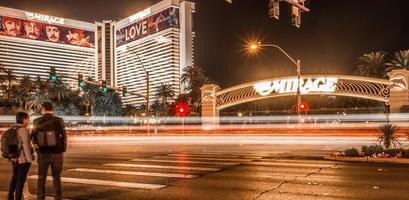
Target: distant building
(31, 43)
(162, 35)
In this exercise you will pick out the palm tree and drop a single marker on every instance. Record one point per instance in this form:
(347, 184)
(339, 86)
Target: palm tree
(388, 137)
(58, 91)
(24, 91)
(165, 91)
(130, 110)
(141, 108)
(372, 64)
(42, 87)
(7, 76)
(400, 60)
(109, 104)
(89, 95)
(156, 107)
(194, 78)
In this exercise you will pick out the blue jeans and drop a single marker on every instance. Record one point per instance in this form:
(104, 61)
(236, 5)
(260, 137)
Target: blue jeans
(56, 163)
(18, 179)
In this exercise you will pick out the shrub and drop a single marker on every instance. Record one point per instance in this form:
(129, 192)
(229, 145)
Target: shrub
(388, 137)
(393, 152)
(371, 150)
(405, 153)
(352, 152)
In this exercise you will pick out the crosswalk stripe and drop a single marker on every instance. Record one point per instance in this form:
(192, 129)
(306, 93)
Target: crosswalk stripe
(161, 167)
(132, 173)
(214, 156)
(209, 159)
(288, 164)
(106, 183)
(183, 161)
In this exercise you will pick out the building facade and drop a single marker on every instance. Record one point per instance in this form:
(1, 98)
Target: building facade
(162, 37)
(31, 43)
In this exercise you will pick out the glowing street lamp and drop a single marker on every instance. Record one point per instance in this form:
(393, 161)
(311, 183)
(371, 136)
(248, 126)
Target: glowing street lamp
(255, 46)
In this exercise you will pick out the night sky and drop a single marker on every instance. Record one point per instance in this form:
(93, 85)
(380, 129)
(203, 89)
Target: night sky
(331, 38)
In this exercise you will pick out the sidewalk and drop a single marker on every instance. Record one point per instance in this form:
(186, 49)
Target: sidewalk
(365, 159)
(3, 195)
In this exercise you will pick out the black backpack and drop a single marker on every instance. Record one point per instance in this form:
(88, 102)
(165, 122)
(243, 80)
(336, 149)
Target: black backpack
(9, 143)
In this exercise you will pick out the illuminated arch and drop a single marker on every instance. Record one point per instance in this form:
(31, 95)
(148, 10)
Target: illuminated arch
(351, 86)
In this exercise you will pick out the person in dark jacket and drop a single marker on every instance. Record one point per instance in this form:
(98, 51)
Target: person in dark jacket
(49, 156)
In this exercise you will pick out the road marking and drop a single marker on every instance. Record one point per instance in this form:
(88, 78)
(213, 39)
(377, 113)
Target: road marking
(183, 161)
(131, 173)
(288, 164)
(106, 183)
(214, 156)
(161, 167)
(208, 159)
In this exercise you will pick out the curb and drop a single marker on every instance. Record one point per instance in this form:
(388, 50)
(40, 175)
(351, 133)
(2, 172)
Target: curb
(367, 159)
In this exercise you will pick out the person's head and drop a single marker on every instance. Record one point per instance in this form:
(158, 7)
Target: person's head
(22, 118)
(12, 27)
(53, 33)
(32, 29)
(47, 107)
(74, 36)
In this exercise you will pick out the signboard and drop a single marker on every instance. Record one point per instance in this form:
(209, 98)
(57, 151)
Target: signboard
(165, 19)
(291, 86)
(33, 30)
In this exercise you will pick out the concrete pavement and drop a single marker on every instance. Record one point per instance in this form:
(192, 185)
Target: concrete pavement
(236, 169)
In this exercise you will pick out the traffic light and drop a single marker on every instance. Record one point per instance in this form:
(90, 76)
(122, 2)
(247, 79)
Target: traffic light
(81, 82)
(182, 109)
(274, 9)
(53, 74)
(104, 86)
(296, 16)
(304, 106)
(125, 91)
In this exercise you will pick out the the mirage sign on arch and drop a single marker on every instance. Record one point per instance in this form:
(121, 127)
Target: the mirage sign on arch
(308, 85)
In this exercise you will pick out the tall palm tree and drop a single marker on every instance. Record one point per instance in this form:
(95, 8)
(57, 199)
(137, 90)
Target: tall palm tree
(194, 78)
(372, 64)
(165, 91)
(400, 60)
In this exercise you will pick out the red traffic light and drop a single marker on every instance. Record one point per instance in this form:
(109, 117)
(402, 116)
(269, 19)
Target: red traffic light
(181, 109)
(304, 106)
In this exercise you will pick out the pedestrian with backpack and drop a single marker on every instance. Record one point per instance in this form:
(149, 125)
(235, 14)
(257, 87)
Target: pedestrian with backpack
(50, 141)
(16, 146)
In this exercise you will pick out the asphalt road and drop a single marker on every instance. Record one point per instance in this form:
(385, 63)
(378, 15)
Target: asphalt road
(219, 168)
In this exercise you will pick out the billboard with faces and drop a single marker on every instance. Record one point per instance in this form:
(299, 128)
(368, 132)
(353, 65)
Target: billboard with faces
(168, 18)
(33, 30)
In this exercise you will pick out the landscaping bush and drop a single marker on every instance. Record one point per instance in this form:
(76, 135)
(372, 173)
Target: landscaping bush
(371, 150)
(405, 153)
(394, 152)
(352, 152)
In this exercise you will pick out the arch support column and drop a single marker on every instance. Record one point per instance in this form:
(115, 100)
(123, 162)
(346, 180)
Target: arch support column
(399, 90)
(210, 113)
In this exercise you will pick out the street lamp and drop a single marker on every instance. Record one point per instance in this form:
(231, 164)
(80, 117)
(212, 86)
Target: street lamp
(297, 63)
(147, 80)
